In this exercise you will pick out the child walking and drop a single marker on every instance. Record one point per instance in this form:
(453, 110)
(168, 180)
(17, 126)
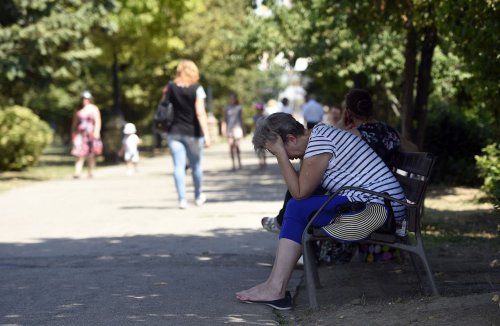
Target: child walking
(129, 149)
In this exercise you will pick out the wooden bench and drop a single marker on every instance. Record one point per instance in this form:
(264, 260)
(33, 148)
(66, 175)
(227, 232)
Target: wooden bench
(413, 171)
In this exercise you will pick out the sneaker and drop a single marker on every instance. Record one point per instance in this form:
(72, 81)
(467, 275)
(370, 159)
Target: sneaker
(270, 224)
(200, 200)
(183, 204)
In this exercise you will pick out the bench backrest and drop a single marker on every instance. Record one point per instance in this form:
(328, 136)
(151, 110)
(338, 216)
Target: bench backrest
(413, 170)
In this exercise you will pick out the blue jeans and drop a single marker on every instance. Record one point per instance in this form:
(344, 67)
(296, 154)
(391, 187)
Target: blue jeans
(191, 147)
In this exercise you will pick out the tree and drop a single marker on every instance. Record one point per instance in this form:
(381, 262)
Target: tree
(211, 37)
(44, 40)
(136, 51)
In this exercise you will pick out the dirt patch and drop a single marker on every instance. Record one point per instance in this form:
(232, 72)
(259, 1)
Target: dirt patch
(463, 247)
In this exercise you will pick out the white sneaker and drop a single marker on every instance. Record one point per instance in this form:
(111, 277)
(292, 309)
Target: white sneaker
(183, 204)
(200, 200)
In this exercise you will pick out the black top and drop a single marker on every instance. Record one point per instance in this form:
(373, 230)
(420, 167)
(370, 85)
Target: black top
(183, 100)
(382, 138)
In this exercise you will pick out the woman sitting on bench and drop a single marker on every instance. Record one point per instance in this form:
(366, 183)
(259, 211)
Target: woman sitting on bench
(332, 158)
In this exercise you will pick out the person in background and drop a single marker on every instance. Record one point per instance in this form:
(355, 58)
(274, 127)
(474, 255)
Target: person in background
(258, 118)
(130, 148)
(271, 107)
(285, 107)
(334, 116)
(86, 135)
(232, 128)
(312, 112)
(358, 117)
(188, 134)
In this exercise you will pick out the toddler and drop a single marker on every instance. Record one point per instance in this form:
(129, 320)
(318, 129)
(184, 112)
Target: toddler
(129, 149)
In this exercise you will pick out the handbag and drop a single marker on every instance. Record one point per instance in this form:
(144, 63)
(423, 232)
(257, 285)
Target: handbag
(97, 146)
(164, 115)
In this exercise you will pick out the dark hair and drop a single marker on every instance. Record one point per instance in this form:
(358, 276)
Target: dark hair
(284, 100)
(235, 96)
(359, 102)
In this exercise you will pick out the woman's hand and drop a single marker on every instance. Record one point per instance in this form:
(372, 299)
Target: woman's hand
(207, 142)
(276, 147)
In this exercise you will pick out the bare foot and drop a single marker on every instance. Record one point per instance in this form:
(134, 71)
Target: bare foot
(260, 292)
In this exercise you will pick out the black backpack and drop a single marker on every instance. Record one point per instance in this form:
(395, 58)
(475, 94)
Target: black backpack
(164, 115)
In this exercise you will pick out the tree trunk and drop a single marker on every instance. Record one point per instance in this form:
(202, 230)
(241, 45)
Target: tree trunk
(409, 82)
(116, 86)
(424, 81)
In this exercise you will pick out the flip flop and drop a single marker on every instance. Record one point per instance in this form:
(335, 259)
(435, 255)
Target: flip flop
(279, 304)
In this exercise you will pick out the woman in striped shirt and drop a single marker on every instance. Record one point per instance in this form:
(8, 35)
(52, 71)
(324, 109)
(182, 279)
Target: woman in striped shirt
(332, 158)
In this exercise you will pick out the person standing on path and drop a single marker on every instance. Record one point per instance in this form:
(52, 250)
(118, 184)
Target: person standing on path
(130, 148)
(188, 134)
(232, 128)
(258, 118)
(86, 135)
(312, 112)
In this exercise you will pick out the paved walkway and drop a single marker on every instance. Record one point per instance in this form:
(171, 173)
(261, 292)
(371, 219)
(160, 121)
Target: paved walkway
(116, 250)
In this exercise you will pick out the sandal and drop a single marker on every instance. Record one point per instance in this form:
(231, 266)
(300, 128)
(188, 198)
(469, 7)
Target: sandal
(285, 303)
(270, 224)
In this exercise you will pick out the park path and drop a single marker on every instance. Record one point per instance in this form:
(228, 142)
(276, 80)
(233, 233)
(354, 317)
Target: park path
(116, 250)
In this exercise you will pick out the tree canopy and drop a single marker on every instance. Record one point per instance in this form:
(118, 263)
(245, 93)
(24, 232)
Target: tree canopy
(422, 60)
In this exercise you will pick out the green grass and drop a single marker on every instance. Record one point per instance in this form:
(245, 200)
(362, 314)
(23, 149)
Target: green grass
(56, 162)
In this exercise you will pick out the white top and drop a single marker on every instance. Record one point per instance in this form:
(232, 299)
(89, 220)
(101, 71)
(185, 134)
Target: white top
(313, 111)
(200, 93)
(354, 163)
(131, 142)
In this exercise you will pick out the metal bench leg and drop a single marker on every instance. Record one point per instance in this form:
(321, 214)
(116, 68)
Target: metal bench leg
(421, 253)
(311, 274)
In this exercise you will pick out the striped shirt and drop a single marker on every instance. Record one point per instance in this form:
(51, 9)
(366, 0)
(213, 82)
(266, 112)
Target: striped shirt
(354, 163)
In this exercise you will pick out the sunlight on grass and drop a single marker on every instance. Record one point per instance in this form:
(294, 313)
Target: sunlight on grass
(456, 199)
(459, 215)
(55, 163)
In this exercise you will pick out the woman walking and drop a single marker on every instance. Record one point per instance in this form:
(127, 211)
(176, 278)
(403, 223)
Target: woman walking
(188, 134)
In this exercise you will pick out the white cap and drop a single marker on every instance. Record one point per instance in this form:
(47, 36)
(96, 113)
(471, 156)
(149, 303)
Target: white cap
(129, 129)
(86, 94)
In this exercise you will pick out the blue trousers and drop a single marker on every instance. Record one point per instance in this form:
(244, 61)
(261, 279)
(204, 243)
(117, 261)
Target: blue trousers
(298, 213)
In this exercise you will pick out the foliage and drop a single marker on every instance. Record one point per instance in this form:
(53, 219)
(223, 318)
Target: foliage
(141, 45)
(470, 28)
(45, 40)
(488, 166)
(125, 50)
(455, 139)
(23, 136)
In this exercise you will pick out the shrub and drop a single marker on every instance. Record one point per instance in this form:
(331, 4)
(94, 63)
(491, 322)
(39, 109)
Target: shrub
(23, 136)
(455, 139)
(488, 166)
